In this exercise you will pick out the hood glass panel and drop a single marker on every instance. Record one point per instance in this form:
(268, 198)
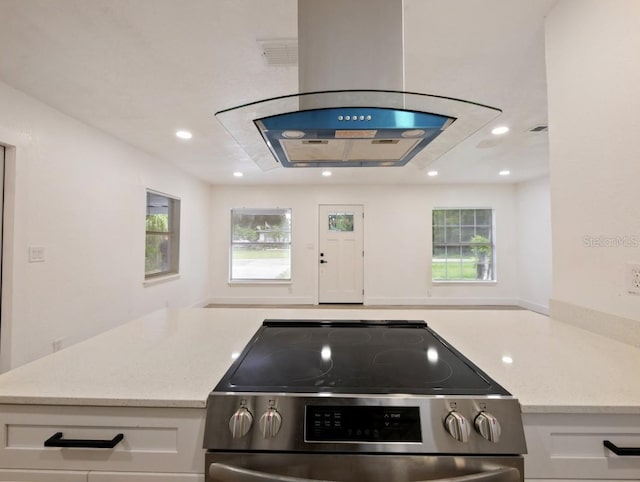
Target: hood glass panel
(355, 128)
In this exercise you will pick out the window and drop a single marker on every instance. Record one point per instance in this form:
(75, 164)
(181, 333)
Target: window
(163, 235)
(340, 222)
(463, 248)
(261, 244)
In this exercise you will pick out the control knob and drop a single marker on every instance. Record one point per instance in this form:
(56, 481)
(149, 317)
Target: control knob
(240, 422)
(457, 426)
(270, 423)
(488, 426)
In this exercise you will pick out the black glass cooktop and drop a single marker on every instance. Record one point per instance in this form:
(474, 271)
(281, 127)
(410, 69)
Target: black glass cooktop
(375, 357)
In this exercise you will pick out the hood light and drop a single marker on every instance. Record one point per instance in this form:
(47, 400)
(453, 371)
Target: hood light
(413, 133)
(326, 173)
(498, 131)
(184, 134)
(293, 134)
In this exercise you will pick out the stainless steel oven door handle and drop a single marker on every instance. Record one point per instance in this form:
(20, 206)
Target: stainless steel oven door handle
(506, 474)
(229, 473)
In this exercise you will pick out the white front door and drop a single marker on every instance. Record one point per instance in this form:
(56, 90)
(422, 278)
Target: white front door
(341, 255)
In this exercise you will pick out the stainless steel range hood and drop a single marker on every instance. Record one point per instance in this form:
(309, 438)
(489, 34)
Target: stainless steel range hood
(352, 110)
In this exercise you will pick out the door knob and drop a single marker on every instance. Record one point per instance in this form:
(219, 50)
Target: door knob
(323, 261)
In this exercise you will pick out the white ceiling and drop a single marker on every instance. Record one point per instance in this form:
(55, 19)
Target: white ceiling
(142, 69)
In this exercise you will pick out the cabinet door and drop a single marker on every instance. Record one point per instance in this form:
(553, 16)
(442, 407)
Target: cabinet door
(143, 477)
(570, 446)
(42, 476)
(153, 439)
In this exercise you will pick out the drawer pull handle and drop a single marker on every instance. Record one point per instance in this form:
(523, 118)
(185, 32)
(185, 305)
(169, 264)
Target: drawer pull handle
(621, 450)
(56, 440)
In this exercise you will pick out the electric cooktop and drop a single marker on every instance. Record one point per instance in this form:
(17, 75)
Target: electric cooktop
(355, 357)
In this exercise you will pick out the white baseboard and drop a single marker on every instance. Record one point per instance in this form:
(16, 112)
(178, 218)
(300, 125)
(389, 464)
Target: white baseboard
(535, 307)
(616, 327)
(271, 300)
(442, 301)
(238, 300)
(200, 304)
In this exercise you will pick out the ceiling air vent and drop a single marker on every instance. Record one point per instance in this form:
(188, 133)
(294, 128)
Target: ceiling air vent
(540, 128)
(280, 51)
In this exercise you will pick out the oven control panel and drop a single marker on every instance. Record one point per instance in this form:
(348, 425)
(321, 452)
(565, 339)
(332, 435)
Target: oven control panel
(336, 423)
(285, 422)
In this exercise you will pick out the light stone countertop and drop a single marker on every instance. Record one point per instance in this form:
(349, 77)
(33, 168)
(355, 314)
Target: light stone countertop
(175, 358)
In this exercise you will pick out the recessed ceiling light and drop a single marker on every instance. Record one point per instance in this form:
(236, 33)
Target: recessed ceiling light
(507, 360)
(326, 173)
(432, 173)
(184, 134)
(504, 173)
(238, 174)
(497, 131)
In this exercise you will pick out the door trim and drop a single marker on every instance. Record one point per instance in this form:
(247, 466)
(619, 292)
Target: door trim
(7, 265)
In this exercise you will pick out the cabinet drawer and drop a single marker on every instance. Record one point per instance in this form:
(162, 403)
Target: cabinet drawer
(153, 439)
(571, 446)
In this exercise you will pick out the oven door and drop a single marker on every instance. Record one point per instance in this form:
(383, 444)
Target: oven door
(299, 467)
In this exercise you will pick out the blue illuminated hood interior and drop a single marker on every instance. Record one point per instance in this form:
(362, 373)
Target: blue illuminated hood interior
(350, 137)
(353, 128)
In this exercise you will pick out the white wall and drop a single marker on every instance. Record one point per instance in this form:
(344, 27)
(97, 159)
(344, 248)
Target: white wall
(534, 244)
(80, 194)
(593, 77)
(397, 242)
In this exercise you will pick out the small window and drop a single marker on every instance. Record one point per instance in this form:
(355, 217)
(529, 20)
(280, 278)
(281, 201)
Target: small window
(341, 222)
(163, 235)
(463, 247)
(260, 245)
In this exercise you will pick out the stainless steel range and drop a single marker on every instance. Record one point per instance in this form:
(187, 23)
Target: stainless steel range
(359, 401)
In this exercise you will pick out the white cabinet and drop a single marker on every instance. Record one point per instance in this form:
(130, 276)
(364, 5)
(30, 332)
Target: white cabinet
(570, 446)
(142, 477)
(8, 475)
(576, 480)
(154, 441)
(42, 476)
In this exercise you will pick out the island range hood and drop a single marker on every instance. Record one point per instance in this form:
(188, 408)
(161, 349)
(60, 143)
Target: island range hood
(351, 109)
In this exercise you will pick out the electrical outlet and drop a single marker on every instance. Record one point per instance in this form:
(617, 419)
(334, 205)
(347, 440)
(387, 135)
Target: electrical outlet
(633, 278)
(36, 254)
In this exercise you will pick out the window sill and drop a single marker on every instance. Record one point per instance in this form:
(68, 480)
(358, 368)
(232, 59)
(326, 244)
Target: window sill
(258, 282)
(160, 279)
(463, 282)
